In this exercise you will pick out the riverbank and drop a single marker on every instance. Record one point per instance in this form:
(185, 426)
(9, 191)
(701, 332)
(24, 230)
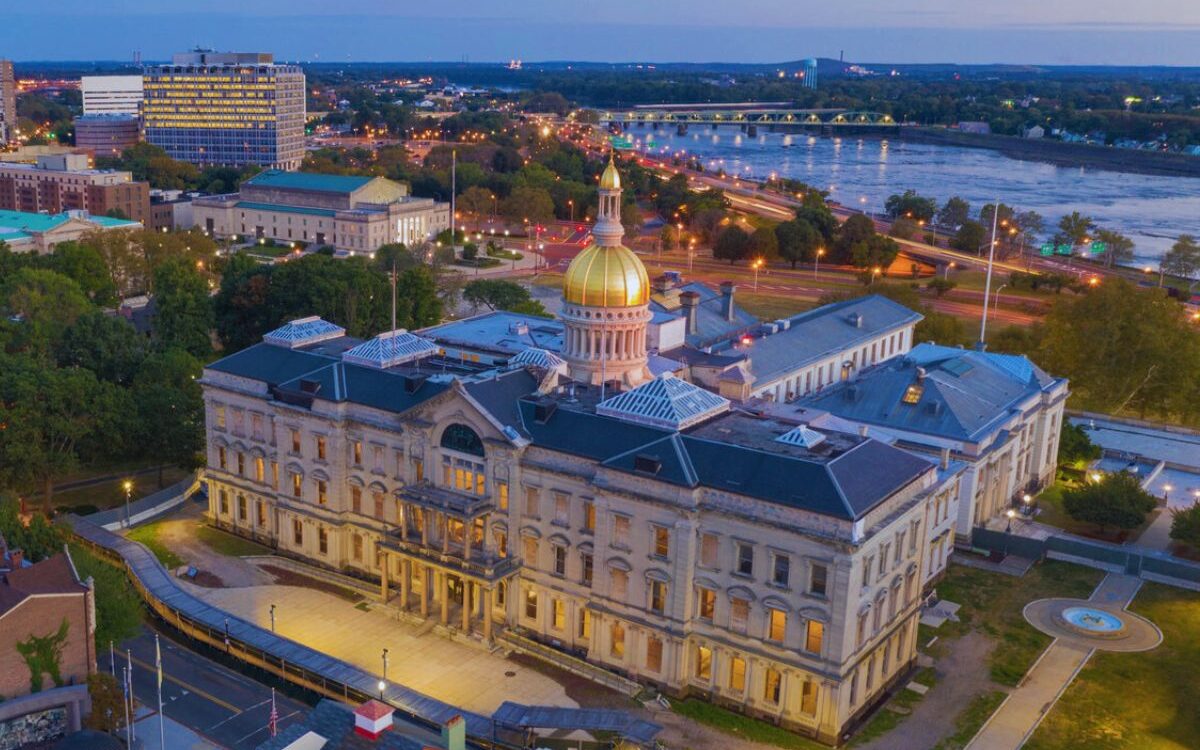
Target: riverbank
(1061, 153)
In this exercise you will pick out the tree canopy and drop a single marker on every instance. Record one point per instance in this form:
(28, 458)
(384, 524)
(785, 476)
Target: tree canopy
(1117, 500)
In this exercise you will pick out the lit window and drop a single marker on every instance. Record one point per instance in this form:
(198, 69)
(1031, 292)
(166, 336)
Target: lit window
(589, 516)
(912, 394)
(585, 624)
(357, 446)
(706, 602)
(813, 636)
(559, 613)
(322, 495)
(502, 495)
(662, 541)
(703, 663)
(654, 652)
(776, 625)
(772, 683)
(295, 441)
(737, 674)
(296, 485)
(617, 640)
(658, 596)
(260, 469)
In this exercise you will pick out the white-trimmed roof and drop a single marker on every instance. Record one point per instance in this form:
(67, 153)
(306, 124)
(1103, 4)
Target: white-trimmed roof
(666, 402)
(543, 358)
(389, 349)
(801, 436)
(304, 331)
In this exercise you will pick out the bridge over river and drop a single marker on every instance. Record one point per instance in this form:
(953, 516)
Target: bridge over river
(773, 117)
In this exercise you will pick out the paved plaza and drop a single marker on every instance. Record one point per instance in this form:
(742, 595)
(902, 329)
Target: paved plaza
(456, 673)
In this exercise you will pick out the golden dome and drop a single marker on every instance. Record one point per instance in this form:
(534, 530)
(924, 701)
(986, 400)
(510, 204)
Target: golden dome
(606, 277)
(611, 179)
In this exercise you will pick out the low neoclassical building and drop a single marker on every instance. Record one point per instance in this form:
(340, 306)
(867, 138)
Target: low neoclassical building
(640, 522)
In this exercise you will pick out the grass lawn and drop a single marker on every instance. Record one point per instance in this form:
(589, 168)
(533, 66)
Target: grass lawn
(225, 543)
(992, 603)
(886, 719)
(148, 535)
(111, 494)
(118, 606)
(967, 723)
(742, 726)
(772, 306)
(1146, 701)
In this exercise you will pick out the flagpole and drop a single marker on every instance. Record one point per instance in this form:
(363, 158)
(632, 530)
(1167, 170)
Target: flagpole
(162, 731)
(987, 286)
(132, 708)
(112, 660)
(273, 720)
(125, 703)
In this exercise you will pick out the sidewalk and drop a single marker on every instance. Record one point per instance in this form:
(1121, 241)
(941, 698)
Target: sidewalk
(178, 737)
(1012, 724)
(459, 674)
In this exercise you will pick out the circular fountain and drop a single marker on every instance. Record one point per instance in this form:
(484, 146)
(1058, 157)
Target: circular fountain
(1093, 622)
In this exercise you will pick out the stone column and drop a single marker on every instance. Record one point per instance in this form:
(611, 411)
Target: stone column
(468, 532)
(424, 527)
(445, 594)
(487, 614)
(425, 586)
(383, 576)
(466, 606)
(445, 534)
(404, 510)
(405, 582)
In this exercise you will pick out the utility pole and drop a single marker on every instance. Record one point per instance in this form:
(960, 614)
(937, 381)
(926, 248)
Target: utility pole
(987, 286)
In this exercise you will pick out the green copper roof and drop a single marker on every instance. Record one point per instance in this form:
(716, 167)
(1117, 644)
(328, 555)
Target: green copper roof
(325, 183)
(18, 222)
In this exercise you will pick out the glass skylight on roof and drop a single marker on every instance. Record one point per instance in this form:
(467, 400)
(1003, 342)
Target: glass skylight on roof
(666, 402)
(303, 332)
(389, 349)
(535, 357)
(802, 436)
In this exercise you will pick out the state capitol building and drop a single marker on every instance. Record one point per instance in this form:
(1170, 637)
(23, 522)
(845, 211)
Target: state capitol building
(766, 552)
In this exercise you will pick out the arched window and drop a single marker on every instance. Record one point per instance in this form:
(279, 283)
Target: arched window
(459, 437)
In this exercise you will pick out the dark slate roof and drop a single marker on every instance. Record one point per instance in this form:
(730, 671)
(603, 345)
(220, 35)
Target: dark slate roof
(335, 722)
(816, 334)
(54, 575)
(964, 395)
(270, 364)
(500, 396)
(378, 389)
(711, 326)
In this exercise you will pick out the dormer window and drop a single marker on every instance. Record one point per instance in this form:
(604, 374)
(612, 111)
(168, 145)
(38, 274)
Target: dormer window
(912, 394)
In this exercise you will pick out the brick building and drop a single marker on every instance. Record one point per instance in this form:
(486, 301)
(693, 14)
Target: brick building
(65, 182)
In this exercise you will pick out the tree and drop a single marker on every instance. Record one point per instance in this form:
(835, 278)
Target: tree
(1183, 259)
(631, 220)
(817, 214)
(495, 294)
(1122, 348)
(1074, 228)
(970, 237)
(1006, 216)
(668, 236)
(763, 244)
(108, 704)
(954, 212)
(531, 203)
(910, 205)
(476, 200)
(903, 228)
(46, 302)
(85, 266)
(50, 417)
(940, 328)
(183, 316)
(1116, 500)
(940, 286)
(107, 345)
(1075, 448)
(797, 241)
(1117, 247)
(1185, 525)
(170, 410)
(858, 228)
(732, 244)
(877, 251)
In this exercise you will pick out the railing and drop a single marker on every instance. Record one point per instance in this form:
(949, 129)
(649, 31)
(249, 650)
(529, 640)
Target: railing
(148, 507)
(483, 564)
(570, 663)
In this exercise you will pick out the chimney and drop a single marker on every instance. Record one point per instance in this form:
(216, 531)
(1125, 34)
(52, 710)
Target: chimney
(727, 290)
(454, 733)
(372, 719)
(945, 462)
(690, 301)
(920, 374)
(862, 430)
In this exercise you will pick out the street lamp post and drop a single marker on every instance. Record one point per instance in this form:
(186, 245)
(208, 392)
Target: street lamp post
(946, 270)
(996, 298)
(757, 264)
(127, 485)
(817, 263)
(272, 618)
(382, 686)
(385, 653)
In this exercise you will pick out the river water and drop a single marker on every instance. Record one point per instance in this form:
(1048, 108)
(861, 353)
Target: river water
(862, 172)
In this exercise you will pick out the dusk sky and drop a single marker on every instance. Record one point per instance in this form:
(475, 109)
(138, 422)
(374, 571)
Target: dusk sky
(1153, 32)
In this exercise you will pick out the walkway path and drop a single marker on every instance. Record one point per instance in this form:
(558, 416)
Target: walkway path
(1023, 710)
(454, 673)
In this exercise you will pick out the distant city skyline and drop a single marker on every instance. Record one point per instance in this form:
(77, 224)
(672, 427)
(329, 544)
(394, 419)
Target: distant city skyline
(1066, 32)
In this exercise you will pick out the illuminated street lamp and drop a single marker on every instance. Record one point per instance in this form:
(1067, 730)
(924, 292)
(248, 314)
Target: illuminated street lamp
(382, 686)
(127, 485)
(757, 264)
(1011, 514)
(385, 653)
(817, 263)
(272, 618)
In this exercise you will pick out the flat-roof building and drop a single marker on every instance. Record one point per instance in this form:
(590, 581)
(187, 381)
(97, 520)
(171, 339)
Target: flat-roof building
(227, 109)
(8, 102)
(352, 214)
(66, 182)
(111, 95)
(107, 134)
(40, 233)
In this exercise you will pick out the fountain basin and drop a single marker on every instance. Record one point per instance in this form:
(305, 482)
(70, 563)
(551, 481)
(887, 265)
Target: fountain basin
(1097, 623)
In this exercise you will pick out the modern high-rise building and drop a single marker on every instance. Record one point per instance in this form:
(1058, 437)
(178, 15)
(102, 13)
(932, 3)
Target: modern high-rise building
(227, 108)
(108, 95)
(8, 101)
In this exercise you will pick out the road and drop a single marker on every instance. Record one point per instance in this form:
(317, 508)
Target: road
(222, 706)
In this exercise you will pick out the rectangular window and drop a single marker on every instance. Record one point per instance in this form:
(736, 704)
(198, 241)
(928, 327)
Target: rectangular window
(616, 646)
(223, 498)
(587, 568)
(256, 426)
(772, 683)
(620, 584)
(295, 441)
(654, 652)
(899, 548)
(221, 461)
(781, 567)
(703, 663)
(706, 601)
(562, 509)
(262, 513)
(356, 452)
(501, 544)
(813, 636)
(560, 559)
(418, 470)
(739, 614)
(298, 532)
(296, 488)
(737, 674)
(220, 417)
(662, 540)
(776, 625)
(275, 474)
(585, 625)
(356, 498)
(620, 531)
(862, 628)
(531, 502)
(322, 494)
(745, 559)
(558, 610)
(817, 580)
(808, 698)
(241, 464)
(356, 546)
(260, 469)
(531, 604)
(658, 596)
(531, 551)
(322, 540)
(708, 550)
(883, 559)
(241, 508)
(378, 462)
(589, 516)
(377, 497)
(502, 495)
(867, 565)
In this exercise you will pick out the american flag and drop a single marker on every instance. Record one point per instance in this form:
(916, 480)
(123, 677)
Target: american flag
(273, 721)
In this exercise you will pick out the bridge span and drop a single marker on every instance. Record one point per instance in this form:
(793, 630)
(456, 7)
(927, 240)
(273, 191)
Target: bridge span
(750, 119)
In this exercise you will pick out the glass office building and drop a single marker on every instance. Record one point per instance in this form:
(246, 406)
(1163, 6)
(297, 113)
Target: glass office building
(228, 109)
